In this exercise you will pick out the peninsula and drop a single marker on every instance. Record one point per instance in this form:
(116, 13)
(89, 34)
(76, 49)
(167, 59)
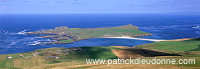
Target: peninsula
(69, 35)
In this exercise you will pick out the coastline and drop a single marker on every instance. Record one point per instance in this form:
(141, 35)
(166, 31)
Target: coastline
(156, 40)
(128, 37)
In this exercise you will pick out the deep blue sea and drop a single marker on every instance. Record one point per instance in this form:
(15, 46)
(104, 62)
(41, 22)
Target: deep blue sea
(162, 26)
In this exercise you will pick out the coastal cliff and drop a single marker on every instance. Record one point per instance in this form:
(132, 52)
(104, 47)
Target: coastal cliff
(69, 35)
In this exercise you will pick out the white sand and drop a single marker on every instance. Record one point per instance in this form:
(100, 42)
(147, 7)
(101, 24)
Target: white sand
(126, 37)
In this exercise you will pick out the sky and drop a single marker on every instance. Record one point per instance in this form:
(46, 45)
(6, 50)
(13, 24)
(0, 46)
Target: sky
(98, 6)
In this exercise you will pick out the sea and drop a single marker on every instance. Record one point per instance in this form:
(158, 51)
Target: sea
(162, 26)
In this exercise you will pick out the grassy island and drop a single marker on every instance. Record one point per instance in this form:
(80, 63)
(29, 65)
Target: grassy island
(69, 35)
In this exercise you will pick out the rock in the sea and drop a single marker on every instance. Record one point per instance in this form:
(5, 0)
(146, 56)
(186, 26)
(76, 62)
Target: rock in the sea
(60, 28)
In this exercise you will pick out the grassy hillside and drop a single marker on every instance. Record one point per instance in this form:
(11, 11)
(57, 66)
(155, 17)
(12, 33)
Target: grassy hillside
(104, 32)
(187, 49)
(74, 58)
(55, 55)
(187, 45)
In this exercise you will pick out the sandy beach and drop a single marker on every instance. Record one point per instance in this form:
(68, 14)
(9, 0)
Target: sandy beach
(127, 37)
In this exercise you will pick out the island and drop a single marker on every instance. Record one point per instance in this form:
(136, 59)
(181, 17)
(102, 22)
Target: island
(69, 35)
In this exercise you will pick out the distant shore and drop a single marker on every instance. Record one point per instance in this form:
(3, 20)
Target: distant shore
(127, 37)
(156, 40)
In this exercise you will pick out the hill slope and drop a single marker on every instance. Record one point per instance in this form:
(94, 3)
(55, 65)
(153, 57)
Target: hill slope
(62, 58)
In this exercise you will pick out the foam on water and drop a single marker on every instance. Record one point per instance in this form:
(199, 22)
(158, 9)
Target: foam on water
(34, 43)
(197, 27)
(40, 41)
(14, 33)
(13, 43)
(22, 32)
(13, 39)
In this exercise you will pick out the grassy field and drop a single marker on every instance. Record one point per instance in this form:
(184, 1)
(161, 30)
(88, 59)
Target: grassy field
(105, 32)
(187, 45)
(74, 58)
(67, 41)
(126, 30)
(187, 49)
(53, 56)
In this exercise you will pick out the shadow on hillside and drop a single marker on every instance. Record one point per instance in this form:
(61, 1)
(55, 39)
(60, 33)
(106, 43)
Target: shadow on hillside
(195, 39)
(197, 49)
(150, 53)
(96, 53)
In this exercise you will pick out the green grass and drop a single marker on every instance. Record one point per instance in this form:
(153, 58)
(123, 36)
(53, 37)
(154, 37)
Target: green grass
(54, 61)
(7, 63)
(192, 55)
(196, 49)
(188, 45)
(86, 33)
(91, 33)
(84, 67)
(77, 34)
(67, 41)
(188, 49)
(98, 52)
(197, 63)
(92, 53)
(74, 55)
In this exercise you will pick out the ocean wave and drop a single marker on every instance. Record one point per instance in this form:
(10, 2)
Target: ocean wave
(11, 33)
(198, 27)
(198, 32)
(44, 29)
(23, 32)
(39, 42)
(13, 43)
(35, 43)
(20, 41)
(28, 30)
(49, 40)
(5, 32)
(194, 26)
